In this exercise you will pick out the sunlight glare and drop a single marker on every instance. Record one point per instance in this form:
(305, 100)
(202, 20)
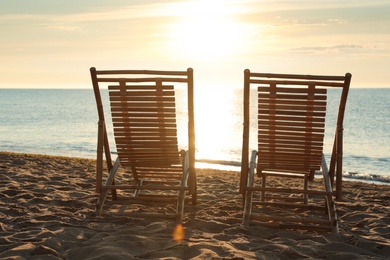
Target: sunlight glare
(205, 30)
(212, 111)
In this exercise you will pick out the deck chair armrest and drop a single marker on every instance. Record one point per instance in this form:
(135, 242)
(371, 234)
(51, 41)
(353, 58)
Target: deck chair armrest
(100, 138)
(99, 156)
(325, 173)
(185, 165)
(252, 167)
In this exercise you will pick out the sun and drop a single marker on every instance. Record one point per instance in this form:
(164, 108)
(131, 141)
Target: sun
(205, 30)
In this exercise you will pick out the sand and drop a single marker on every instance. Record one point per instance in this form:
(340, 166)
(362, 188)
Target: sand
(47, 212)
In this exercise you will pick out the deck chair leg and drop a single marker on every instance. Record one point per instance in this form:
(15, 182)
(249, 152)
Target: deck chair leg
(99, 157)
(249, 192)
(248, 201)
(137, 191)
(263, 184)
(182, 190)
(180, 206)
(193, 187)
(109, 181)
(330, 204)
(247, 207)
(306, 185)
(100, 202)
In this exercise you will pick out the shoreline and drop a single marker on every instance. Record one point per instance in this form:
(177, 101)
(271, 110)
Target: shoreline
(47, 212)
(235, 166)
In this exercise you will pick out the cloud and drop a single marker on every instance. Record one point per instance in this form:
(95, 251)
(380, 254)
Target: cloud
(64, 28)
(326, 49)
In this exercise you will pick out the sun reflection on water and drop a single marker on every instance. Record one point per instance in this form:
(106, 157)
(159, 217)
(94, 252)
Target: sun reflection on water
(215, 113)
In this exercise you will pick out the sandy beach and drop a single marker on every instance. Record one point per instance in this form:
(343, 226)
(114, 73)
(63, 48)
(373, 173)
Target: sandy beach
(47, 212)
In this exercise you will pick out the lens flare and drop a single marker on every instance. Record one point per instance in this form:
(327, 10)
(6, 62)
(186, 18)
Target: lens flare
(178, 233)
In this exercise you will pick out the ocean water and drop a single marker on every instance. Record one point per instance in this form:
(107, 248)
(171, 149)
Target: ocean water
(64, 122)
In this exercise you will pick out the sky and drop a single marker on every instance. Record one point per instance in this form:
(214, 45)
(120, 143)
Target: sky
(53, 43)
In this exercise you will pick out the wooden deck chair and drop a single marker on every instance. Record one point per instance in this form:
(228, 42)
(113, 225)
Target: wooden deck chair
(291, 111)
(143, 114)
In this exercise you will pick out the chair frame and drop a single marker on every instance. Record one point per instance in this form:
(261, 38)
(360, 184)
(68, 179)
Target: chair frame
(188, 182)
(331, 175)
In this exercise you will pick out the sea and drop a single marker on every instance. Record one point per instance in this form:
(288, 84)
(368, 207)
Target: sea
(63, 122)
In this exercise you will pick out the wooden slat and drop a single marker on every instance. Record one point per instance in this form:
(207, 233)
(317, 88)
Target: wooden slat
(295, 102)
(147, 127)
(274, 133)
(288, 167)
(140, 105)
(130, 111)
(291, 90)
(141, 117)
(291, 157)
(266, 122)
(286, 118)
(144, 129)
(298, 82)
(142, 133)
(298, 113)
(289, 141)
(277, 127)
(281, 174)
(300, 164)
(163, 177)
(298, 161)
(145, 136)
(287, 145)
(282, 165)
(149, 153)
(295, 138)
(143, 79)
(148, 121)
(295, 203)
(151, 140)
(139, 93)
(277, 107)
(139, 150)
(151, 87)
(297, 76)
(146, 72)
(278, 96)
(289, 190)
(144, 99)
(147, 150)
(150, 161)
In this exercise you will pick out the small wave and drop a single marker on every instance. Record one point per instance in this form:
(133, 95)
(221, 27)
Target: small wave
(366, 177)
(220, 162)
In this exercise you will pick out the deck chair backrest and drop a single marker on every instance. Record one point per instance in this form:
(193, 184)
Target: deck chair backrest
(291, 114)
(143, 113)
(144, 120)
(291, 119)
